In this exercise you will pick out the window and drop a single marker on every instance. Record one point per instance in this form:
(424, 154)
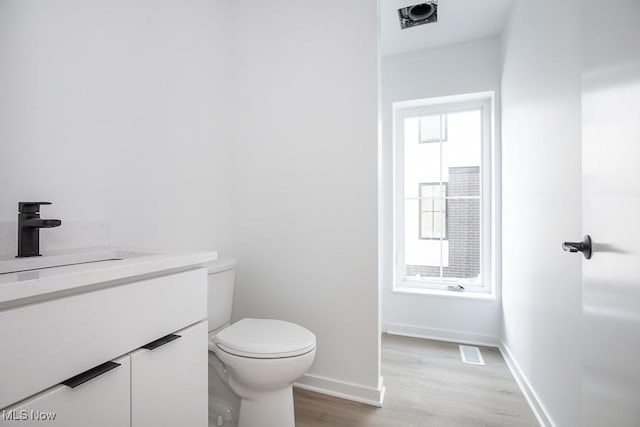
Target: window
(433, 210)
(443, 193)
(433, 128)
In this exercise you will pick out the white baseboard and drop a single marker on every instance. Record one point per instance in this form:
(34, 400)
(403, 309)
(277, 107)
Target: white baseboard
(529, 393)
(440, 334)
(344, 390)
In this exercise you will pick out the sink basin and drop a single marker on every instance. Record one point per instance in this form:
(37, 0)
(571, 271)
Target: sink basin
(18, 265)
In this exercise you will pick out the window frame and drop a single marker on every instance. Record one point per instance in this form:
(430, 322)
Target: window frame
(488, 192)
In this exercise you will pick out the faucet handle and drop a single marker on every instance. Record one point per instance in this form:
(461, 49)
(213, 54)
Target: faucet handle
(30, 207)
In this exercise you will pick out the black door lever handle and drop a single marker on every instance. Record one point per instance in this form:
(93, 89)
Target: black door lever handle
(584, 246)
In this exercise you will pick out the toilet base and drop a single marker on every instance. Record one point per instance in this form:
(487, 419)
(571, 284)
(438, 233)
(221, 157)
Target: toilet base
(272, 409)
(220, 413)
(224, 404)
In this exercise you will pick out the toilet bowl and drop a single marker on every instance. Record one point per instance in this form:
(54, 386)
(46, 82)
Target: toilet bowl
(253, 362)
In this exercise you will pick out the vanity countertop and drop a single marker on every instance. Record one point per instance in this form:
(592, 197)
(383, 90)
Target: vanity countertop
(28, 280)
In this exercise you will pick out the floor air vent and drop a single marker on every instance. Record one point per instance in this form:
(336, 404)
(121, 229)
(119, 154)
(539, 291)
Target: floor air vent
(471, 355)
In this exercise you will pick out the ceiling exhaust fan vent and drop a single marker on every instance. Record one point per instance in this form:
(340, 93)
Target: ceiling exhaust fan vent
(418, 14)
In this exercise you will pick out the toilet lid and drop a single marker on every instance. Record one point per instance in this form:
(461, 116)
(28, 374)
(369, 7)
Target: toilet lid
(265, 339)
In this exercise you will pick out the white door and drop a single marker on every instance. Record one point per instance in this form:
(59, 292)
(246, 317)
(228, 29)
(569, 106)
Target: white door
(611, 212)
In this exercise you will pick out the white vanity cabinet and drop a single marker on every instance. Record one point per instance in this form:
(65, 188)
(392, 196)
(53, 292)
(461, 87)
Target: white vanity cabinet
(46, 342)
(102, 401)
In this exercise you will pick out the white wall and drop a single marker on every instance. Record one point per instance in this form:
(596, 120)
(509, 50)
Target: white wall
(448, 70)
(542, 202)
(305, 179)
(118, 112)
(124, 114)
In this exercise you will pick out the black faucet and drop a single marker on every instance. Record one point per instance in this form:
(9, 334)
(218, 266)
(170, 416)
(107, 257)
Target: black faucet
(29, 225)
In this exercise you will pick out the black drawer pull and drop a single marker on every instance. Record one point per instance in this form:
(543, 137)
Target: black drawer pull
(160, 342)
(92, 373)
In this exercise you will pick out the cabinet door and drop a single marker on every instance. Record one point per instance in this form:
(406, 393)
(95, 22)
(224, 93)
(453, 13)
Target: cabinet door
(169, 380)
(97, 398)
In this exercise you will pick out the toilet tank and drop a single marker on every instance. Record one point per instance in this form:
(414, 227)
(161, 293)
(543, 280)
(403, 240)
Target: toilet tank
(220, 292)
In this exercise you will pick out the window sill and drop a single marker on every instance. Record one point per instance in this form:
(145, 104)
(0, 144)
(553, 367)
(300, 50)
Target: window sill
(474, 295)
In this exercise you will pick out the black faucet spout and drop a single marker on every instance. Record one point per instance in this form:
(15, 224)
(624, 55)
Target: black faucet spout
(41, 223)
(29, 225)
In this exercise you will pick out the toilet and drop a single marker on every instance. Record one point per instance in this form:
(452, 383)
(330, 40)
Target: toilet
(252, 362)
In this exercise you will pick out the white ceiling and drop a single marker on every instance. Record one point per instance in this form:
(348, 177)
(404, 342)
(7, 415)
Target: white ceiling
(458, 21)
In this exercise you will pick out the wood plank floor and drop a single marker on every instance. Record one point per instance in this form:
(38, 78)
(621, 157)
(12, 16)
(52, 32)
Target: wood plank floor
(427, 385)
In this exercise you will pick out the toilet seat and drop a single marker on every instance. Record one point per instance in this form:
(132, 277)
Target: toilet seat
(265, 339)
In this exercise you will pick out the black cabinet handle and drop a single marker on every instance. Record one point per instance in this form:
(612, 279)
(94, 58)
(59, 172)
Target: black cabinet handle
(92, 373)
(584, 247)
(160, 342)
